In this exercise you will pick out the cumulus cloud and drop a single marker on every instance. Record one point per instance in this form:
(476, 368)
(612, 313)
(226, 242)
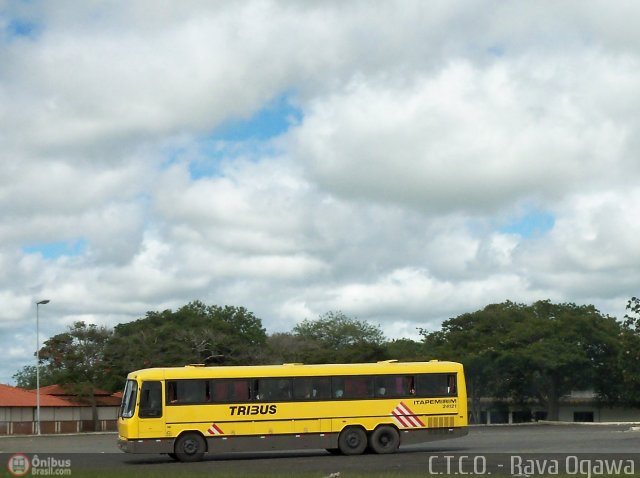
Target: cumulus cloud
(471, 138)
(427, 139)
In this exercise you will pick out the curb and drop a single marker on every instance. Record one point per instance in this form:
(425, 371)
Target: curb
(635, 425)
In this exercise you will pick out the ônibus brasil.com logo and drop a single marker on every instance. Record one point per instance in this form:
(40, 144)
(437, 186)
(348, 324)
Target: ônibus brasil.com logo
(20, 465)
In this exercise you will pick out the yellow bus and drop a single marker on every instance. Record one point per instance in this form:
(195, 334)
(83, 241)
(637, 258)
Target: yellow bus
(344, 408)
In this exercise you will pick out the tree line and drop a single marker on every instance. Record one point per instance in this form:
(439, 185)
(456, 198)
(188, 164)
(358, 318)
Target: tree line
(510, 351)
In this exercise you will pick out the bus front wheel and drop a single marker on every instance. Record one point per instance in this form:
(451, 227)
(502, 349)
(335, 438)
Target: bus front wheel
(352, 441)
(384, 439)
(190, 447)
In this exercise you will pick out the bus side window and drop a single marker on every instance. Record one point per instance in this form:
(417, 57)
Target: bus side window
(272, 389)
(385, 386)
(311, 388)
(452, 388)
(256, 392)
(410, 385)
(172, 392)
(229, 390)
(240, 391)
(188, 392)
(436, 385)
(358, 387)
(151, 400)
(337, 387)
(220, 390)
(394, 386)
(321, 388)
(303, 389)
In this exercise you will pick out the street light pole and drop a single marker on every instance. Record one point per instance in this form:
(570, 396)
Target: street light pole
(38, 304)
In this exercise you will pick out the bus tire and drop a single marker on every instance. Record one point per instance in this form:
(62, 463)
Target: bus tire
(384, 439)
(190, 447)
(352, 441)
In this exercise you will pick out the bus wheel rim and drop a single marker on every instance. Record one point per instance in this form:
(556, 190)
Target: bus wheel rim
(190, 447)
(353, 440)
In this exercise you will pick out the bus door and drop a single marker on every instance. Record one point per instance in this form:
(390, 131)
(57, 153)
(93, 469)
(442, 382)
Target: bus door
(152, 423)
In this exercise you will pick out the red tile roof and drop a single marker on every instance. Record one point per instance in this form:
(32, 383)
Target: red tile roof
(17, 397)
(103, 398)
(52, 396)
(109, 401)
(56, 390)
(67, 391)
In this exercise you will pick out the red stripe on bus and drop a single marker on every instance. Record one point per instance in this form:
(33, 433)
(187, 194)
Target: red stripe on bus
(413, 415)
(400, 419)
(215, 430)
(408, 415)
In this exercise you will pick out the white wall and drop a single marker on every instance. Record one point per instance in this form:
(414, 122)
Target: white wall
(27, 414)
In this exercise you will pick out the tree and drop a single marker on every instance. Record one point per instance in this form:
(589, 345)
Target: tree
(334, 338)
(475, 339)
(522, 352)
(195, 333)
(27, 377)
(405, 350)
(286, 347)
(76, 359)
(629, 357)
(566, 347)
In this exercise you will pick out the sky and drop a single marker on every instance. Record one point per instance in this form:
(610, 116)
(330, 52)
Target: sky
(402, 162)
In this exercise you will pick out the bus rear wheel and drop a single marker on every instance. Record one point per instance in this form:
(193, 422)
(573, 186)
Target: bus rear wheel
(352, 441)
(384, 439)
(190, 447)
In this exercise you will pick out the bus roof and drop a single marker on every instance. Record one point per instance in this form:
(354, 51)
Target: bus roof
(198, 371)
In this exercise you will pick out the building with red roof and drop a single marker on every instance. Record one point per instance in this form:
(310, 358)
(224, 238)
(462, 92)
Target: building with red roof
(18, 397)
(60, 410)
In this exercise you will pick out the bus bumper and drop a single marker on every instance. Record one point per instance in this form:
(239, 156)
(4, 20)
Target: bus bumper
(149, 445)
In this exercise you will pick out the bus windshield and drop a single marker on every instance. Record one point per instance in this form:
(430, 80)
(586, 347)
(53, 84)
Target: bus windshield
(129, 399)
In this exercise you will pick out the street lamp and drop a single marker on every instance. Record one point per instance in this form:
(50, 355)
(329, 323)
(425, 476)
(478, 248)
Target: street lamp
(38, 304)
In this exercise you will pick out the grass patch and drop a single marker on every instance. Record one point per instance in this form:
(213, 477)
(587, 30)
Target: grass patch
(156, 473)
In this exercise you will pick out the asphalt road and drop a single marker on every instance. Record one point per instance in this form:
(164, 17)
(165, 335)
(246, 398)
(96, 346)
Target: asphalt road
(494, 445)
